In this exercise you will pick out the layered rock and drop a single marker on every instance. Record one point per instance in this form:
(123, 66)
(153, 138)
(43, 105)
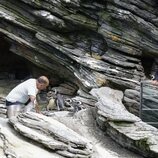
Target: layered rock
(52, 134)
(80, 39)
(124, 127)
(91, 44)
(142, 101)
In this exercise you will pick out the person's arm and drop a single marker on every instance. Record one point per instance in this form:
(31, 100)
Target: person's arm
(37, 108)
(35, 104)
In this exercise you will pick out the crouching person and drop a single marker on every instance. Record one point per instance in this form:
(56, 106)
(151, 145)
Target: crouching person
(23, 97)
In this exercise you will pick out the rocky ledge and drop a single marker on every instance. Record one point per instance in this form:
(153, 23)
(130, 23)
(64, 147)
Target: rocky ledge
(124, 127)
(65, 133)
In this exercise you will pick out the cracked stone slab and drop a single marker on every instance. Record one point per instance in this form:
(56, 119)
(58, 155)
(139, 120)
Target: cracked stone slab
(52, 134)
(137, 136)
(13, 145)
(110, 105)
(125, 128)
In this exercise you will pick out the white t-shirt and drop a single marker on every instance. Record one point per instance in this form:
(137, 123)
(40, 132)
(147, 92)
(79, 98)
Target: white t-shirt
(22, 91)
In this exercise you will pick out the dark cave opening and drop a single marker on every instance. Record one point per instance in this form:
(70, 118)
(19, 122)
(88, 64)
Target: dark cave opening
(12, 66)
(147, 63)
(15, 67)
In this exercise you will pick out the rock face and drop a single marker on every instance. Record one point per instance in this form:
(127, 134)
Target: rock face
(127, 129)
(82, 41)
(147, 99)
(90, 44)
(52, 134)
(83, 124)
(81, 137)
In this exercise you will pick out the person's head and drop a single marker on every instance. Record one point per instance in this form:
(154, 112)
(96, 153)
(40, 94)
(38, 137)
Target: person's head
(42, 82)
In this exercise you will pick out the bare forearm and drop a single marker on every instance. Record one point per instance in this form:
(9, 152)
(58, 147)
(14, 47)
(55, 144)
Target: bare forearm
(35, 103)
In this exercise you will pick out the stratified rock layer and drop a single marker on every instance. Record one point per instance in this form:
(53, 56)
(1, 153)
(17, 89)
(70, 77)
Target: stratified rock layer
(52, 134)
(124, 127)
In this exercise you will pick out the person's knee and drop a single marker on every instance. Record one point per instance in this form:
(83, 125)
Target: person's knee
(9, 114)
(13, 110)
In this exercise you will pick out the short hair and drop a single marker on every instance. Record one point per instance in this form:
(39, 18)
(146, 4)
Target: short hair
(43, 80)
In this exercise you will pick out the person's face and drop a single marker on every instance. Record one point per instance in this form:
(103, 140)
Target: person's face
(41, 86)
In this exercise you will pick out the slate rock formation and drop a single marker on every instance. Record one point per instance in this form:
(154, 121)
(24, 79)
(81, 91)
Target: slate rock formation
(90, 44)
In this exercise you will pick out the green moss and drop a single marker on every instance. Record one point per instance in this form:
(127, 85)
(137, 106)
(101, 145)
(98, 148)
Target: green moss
(105, 16)
(37, 2)
(79, 19)
(123, 123)
(18, 16)
(142, 144)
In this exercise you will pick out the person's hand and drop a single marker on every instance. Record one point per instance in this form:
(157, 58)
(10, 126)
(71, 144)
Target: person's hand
(37, 108)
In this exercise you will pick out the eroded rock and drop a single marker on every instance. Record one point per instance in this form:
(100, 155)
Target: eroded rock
(124, 127)
(52, 134)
